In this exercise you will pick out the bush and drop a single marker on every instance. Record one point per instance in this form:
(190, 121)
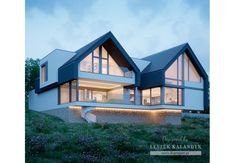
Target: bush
(36, 144)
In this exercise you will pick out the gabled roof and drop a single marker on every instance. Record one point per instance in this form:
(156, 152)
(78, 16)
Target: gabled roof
(85, 50)
(160, 60)
(68, 70)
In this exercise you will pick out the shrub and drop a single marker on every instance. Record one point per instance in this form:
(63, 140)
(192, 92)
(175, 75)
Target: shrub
(36, 144)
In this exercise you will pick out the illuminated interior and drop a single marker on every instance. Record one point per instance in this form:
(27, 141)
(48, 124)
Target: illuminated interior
(100, 91)
(129, 110)
(100, 61)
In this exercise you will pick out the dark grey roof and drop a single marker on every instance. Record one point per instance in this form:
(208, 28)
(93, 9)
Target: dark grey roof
(68, 71)
(85, 48)
(161, 59)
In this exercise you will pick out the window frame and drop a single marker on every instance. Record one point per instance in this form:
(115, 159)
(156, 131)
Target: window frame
(70, 92)
(45, 64)
(100, 65)
(177, 90)
(150, 90)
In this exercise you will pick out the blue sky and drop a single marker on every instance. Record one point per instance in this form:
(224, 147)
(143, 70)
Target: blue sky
(143, 27)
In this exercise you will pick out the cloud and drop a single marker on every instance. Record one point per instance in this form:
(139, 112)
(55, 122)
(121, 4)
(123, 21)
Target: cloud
(141, 31)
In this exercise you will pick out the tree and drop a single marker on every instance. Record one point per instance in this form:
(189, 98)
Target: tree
(31, 73)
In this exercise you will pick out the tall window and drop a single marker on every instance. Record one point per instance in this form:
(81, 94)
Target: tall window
(102, 62)
(73, 90)
(173, 74)
(64, 93)
(193, 74)
(146, 97)
(44, 73)
(132, 96)
(181, 67)
(151, 96)
(99, 96)
(173, 96)
(68, 92)
(186, 60)
(172, 71)
(86, 64)
(114, 69)
(155, 96)
(190, 72)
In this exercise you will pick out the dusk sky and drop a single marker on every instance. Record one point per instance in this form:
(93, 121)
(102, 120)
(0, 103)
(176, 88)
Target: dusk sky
(143, 27)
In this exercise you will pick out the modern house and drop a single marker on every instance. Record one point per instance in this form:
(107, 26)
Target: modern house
(102, 75)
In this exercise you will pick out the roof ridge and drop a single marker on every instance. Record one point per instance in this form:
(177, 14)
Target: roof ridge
(165, 50)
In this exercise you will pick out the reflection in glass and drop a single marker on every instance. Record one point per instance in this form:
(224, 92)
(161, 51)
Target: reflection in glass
(64, 93)
(171, 96)
(146, 97)
(86, 64)
(156, 96)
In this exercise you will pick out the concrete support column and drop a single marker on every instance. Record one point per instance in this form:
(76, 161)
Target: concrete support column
(126, 95)
(137, 96)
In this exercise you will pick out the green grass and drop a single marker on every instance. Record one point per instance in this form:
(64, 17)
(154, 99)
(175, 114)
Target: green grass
(49, 139)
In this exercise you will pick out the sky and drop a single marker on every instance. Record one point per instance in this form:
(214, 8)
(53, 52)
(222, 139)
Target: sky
(143, 27)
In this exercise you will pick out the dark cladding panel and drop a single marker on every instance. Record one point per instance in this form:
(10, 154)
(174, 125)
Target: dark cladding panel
(68, 72)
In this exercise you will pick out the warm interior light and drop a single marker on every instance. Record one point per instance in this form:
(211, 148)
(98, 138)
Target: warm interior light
(137, 110)
(98, 84)
(130, 110)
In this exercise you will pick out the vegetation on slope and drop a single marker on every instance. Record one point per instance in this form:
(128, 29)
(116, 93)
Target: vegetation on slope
(49, 139)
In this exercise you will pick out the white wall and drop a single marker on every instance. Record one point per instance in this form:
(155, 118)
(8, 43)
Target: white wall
(194, 99)
(43, 101)
(55, 60)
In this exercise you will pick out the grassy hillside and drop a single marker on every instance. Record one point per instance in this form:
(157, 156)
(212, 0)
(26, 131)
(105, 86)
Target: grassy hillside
(49, 139)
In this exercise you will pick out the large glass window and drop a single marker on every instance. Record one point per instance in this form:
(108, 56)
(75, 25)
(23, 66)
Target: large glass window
(86, 64)
(85, 94)
(186, 67)
(64, 93)
(180, 97)
(99, 96)
(96, 65)
(104, 66)
(73, 90)
(103, 63)
(132, 96)
(190, 72)
(104, 53)
(172, 71)
(114, 69)
(193, 74)
(146, 97)
(173, 74)
(116, 95)
(155, 96)
(180, 67)
(44, 73)
(173, 96)
(96, 52)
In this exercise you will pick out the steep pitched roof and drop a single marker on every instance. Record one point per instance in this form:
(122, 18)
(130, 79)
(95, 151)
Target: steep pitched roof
(161, 59)
(68, 71)
(85, 50)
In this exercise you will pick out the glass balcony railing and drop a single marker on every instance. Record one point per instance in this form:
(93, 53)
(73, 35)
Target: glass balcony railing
(101, 98)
